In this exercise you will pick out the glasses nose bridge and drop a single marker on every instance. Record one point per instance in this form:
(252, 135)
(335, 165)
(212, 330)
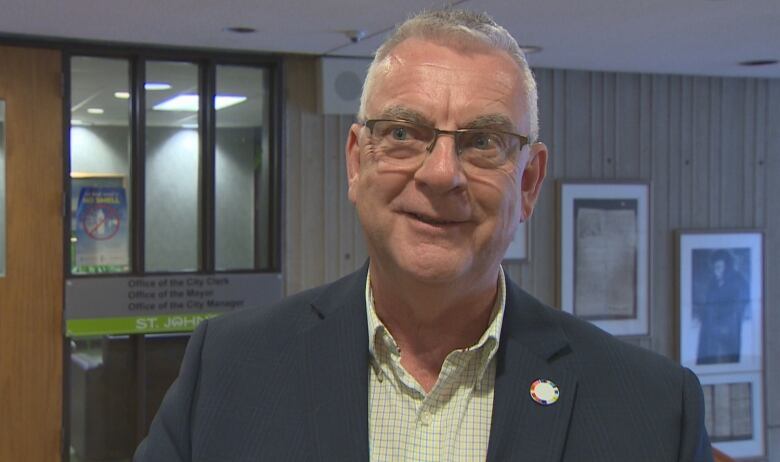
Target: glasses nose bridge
(438, 132)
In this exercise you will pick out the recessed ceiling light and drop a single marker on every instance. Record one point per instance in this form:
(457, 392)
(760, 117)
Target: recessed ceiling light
(191, 102)
(530, 49)
(189, 125)
(95, 110)
(758, 62)
(240, 30)
(76, 122)
(122, 95)
(156, 86)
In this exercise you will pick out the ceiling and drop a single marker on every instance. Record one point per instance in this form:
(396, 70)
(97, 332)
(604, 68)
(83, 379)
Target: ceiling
(702, 37)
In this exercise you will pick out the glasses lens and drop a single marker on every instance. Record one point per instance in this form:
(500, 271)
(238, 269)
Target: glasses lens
(485, 148)
(400, 139)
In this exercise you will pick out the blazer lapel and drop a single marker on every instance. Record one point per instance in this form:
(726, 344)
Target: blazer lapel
(532, 346)
(337, 371)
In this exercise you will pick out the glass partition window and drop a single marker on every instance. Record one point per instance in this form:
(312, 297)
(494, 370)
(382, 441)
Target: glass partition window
(100, 165)
(173, 167)
(242, 169)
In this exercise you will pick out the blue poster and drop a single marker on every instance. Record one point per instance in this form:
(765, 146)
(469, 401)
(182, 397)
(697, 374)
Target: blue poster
(101, 232)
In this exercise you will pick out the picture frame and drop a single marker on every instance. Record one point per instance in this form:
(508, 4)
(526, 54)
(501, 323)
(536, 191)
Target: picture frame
(518, 248)
(604, 241)
(733, 413)
(720, 300)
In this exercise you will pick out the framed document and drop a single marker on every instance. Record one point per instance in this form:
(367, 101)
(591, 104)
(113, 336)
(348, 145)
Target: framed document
(604, 254)
(720, 287)
(734, 412)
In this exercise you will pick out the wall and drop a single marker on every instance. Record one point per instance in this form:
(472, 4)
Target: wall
(708, 146)
(31, 343)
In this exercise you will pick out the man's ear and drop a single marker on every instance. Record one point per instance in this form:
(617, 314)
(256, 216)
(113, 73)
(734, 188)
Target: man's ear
(353, 160)
(533, 177)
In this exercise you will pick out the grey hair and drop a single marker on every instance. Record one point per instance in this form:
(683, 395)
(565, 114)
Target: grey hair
(463, 28)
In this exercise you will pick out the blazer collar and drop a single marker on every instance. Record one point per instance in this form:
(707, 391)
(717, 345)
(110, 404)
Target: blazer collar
(533, 346)
(337, 369)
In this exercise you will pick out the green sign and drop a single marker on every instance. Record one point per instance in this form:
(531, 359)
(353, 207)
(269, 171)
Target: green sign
(135, 324)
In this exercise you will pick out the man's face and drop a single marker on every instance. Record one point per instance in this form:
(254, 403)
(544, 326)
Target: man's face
(719, 267)
(441, 221)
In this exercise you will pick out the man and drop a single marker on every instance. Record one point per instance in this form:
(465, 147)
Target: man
(429, 353)
(724, 307)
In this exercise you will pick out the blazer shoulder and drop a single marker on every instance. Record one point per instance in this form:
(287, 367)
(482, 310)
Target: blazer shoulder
(276, 324)
(593, 349)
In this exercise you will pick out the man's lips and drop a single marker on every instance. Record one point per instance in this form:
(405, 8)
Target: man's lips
(435, 221)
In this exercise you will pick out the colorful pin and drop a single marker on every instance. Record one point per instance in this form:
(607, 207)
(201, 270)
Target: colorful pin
(544, 392)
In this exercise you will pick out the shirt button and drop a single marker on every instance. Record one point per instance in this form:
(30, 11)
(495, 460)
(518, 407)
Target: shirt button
(425, 417)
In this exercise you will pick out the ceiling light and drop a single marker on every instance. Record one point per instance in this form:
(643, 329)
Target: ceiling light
(758, 62)
(189, 125)
(190, 102)
(95, 110)
(122, 95)
(156, 86)
(240, 30)
(76, 122)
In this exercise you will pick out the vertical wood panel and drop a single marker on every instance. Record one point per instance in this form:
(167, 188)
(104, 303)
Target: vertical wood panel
(596, 125)
(576, 123)
(732, 152)
(31, 293)
(609, 125)
(543, 248)
(716, 89)
(662, 317)
(330, 197)
(675, 152)
(627, 127)
(645, 108)
(701, 151)
(749, 145)
(772, 256)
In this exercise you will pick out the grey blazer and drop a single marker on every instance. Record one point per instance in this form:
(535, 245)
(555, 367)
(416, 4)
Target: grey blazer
(290, 383)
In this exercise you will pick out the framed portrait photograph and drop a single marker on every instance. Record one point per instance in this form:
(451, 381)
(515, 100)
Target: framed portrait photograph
(733, 413)
(604, 254)
(518, 248)
(720, 287)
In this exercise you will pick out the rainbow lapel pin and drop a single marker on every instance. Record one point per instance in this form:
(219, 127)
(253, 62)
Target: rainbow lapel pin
(544, 392)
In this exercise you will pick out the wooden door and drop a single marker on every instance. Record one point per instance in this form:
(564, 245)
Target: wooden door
(31, 291)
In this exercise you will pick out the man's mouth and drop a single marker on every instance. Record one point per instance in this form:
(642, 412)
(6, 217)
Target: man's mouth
(432, 221)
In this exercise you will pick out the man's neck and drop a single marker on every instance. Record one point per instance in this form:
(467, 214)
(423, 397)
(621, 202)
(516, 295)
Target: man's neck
(429, 321)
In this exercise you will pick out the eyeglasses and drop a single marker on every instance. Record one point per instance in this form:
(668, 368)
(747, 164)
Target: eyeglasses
(409, 141)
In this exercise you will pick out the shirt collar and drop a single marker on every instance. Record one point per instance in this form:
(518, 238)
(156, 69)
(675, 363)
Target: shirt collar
(489, 339)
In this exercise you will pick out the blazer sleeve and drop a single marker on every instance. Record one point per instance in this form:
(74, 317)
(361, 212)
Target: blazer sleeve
(694, 442)
(169, 438)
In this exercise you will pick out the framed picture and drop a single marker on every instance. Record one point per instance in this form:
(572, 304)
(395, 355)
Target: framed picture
(720, 287)
(734, 412)
(518, 248)
(604, 252)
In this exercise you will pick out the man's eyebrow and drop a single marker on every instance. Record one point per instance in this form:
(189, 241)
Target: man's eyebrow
(404, 113)
(494, 121)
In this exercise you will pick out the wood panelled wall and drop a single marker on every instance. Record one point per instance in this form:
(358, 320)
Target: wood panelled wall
(31, 292)
(709, 146)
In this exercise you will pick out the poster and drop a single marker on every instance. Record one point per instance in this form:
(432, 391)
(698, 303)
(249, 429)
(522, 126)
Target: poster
(101, 232)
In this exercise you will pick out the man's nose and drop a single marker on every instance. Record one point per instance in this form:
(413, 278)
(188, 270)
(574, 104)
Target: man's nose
(441, 169)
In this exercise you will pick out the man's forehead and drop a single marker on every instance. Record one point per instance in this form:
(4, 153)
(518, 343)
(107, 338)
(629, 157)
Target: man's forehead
(436, 52)
(435, 66)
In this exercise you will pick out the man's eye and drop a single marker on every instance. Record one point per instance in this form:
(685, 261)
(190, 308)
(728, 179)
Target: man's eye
(484, 141)
(399, 133)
